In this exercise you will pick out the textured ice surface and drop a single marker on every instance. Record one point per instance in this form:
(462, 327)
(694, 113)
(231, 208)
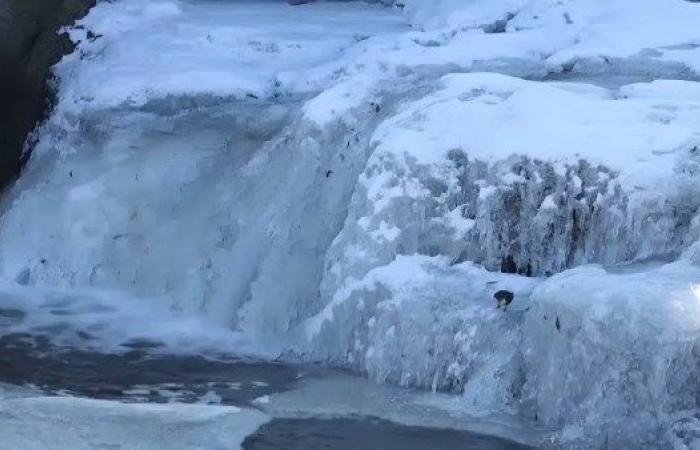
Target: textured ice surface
(213, 48)
(567, 33)
(333, 186)
(526, 177)
(420, 322)
(617, 352)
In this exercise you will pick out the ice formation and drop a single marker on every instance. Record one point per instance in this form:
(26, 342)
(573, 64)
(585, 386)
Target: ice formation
(335, 185)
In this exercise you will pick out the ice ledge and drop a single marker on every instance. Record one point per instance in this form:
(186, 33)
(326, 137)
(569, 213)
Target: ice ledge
(599, 356)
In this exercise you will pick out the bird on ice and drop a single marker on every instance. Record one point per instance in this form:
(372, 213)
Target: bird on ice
(504, 298)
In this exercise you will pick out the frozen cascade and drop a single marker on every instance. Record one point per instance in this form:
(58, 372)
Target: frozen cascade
(359, 201)
(137, 223)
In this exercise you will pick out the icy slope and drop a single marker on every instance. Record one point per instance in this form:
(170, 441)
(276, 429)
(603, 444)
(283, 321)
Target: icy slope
(528, 177)
(335, 186)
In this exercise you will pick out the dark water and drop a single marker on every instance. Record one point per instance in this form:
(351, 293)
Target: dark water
(139, 375)
(146, 376)
(366, 433)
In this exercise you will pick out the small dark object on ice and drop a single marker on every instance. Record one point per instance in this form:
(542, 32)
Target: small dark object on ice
(503, 298)
(298, 2)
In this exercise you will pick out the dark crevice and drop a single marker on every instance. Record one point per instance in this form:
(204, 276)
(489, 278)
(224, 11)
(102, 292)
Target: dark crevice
(499, 26)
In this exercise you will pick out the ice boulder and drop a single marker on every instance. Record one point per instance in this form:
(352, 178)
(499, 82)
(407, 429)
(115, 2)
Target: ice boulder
(613, 358)
(419, 321)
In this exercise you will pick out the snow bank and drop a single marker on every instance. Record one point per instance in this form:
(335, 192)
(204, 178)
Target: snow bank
(605, 357)
(242, 52)
(528, 177)
(577, 30)
(76, 424)
(215, 50)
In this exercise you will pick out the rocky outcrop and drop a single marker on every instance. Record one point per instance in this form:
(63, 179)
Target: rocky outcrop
(30, 44)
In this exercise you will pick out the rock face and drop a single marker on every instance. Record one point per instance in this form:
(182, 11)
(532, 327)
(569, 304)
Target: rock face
(29, 46)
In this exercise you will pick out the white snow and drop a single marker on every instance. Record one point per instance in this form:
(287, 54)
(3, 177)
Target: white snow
(213, 49)
(563, 32)
(639, 132)
(82, 424)
(426, 323)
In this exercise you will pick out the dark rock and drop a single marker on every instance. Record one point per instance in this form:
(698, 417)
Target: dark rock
(29, 46)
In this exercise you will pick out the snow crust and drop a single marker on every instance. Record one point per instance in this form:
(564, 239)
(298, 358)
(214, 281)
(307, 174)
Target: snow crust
(568, 32)
(76, 424)
(333, 185)
(213, 49)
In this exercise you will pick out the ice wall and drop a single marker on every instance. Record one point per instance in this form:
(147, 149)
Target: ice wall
(467, 173)
(211, 201)
(612, 357)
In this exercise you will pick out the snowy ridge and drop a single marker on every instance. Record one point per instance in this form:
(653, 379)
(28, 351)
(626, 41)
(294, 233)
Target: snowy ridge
(358, 199)
(568, 33)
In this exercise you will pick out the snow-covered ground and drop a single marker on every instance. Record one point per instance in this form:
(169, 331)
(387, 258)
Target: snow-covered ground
(39, 422)
(351, 183)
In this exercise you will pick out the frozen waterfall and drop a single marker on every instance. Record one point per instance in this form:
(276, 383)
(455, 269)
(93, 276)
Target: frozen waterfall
(350, 183)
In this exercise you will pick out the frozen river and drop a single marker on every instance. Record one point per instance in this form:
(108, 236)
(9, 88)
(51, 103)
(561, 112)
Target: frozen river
(63, 398)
